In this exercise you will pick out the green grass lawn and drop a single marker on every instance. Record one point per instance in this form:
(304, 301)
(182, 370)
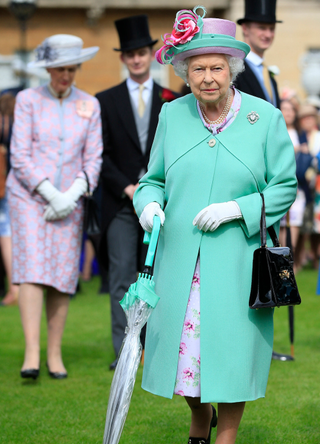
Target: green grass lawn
(73, 410)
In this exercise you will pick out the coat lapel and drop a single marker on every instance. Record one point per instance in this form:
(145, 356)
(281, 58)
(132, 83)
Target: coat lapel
(123, 106)
(275, 86)
(185, 141)
(155, 111)
(253, 82)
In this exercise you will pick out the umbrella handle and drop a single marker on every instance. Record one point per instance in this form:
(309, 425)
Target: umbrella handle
(151, 239)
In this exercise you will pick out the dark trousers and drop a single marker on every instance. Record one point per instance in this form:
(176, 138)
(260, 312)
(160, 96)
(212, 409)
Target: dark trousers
(126, 257)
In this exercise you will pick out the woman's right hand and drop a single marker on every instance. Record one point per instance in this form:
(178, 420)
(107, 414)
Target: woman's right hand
(148, 213)
(60, 207)
(62, 204)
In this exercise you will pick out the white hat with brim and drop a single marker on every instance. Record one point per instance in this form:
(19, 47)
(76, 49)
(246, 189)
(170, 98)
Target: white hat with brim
(62, 50)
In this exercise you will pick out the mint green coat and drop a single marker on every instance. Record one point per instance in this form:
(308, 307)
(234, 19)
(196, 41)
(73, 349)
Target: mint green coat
(185, 174)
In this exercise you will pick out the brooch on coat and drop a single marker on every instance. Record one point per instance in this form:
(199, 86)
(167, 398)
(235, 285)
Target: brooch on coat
(253, 117)
(84, 108)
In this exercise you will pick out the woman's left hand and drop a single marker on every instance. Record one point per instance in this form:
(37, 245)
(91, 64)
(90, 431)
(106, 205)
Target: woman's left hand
(211, 217)
(50, 215)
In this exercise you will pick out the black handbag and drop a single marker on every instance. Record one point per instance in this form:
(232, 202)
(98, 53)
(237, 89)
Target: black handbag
(91, 224)
(273, 281)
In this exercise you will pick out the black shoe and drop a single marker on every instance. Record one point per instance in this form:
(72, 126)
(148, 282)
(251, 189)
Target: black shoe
(104, 289)
(281, 357)
(30, 373)
(214, 422)
(113, 365)
(57, 375)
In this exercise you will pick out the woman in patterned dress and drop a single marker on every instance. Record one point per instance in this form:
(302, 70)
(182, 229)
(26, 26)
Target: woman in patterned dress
(56, 137)
(214, 151)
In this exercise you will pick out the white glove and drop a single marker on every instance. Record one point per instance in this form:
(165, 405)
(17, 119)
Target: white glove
(214, 215)
(49, 213)
(47, 190)
(77, 189)
(61, 203)
(149, 211)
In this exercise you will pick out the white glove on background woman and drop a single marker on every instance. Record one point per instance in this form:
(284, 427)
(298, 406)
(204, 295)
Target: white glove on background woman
(77, 189)
(61, 203)
(149, 211)
(214, 215)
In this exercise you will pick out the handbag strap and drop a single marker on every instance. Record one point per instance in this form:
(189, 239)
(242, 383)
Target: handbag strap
(88, 183)
(263, 228)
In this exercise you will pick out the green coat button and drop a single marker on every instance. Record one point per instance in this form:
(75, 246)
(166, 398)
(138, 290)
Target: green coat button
(212, 142)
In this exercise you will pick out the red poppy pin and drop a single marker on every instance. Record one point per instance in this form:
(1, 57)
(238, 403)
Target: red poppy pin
(166, 95)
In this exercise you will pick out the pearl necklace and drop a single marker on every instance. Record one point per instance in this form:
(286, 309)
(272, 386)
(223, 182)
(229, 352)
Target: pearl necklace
(58, 95)
(223, 115)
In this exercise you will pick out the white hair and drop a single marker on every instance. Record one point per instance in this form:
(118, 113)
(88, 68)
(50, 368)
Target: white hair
(236, 66)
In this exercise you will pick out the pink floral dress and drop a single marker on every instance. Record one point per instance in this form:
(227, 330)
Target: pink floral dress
(188, 373)
(55, 141)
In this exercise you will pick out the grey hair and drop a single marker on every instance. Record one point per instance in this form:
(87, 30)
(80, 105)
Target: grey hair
(236, 66)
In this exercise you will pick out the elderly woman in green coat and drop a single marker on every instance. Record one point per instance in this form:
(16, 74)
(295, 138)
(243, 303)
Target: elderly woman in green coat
(214, 152)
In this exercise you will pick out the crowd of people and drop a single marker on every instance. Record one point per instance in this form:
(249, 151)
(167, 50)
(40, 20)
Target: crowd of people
(202, 174)
(302, 120)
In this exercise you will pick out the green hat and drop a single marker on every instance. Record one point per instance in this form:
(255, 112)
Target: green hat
(194, 35)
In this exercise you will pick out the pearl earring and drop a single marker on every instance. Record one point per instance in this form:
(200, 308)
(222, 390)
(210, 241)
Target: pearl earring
(188, 84)
(231, 83)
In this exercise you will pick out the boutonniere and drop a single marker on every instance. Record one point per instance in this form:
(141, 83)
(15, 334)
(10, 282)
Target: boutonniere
(166, 95)
(274, 70)
(84, 108)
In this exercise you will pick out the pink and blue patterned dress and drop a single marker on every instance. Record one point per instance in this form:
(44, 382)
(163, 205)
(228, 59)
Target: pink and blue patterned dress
(51, 141)
(189, 369)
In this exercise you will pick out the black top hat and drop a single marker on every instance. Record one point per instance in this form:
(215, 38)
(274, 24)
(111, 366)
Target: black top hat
(133, 33)
(263, 11)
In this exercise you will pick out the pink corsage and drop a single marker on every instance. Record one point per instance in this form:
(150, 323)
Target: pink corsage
(84, 108)
(184, 29)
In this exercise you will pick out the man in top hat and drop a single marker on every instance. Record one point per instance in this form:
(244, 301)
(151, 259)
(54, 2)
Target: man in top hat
(129, 113)
(258, 27)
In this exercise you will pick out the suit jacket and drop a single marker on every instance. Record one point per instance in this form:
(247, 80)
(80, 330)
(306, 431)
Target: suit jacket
(122, 155)
(247, 82)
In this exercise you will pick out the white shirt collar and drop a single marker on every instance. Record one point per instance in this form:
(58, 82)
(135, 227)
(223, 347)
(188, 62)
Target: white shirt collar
(132, 85)
(254, 58)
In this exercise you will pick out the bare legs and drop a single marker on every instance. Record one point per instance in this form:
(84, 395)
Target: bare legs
(30, 304)
(6, 252)
(89, 254)
(57, 310)
(201, 415)
(229, 417)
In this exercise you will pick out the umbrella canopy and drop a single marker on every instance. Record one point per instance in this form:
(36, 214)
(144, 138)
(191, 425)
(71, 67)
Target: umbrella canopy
(138, 303)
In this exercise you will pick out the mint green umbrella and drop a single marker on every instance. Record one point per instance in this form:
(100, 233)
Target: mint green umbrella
(137, 303)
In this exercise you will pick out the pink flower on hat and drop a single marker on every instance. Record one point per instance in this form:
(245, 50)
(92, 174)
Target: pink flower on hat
(184, 29)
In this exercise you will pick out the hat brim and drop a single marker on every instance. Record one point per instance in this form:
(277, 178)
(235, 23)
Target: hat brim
(258, 20)
(136, 45)
(233, 52)
(85, 55)
(218, 45)
(307, 114)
